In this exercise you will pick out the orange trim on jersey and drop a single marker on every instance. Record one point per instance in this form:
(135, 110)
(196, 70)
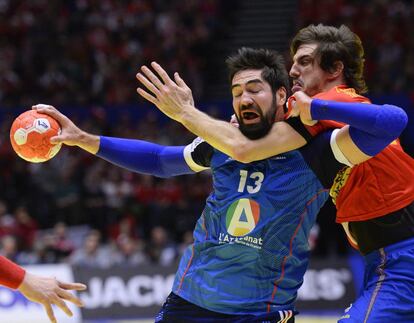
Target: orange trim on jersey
(187, 268)
(204, 225)
(381, 277)
(353, 245)
(192, 252)
(282, 274)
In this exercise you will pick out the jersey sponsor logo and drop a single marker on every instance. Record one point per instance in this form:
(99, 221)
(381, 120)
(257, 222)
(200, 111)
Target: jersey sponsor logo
(246, 240)
(242, 217)
(339, 182)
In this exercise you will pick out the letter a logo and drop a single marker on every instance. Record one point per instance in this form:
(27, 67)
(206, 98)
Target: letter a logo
(242, 217)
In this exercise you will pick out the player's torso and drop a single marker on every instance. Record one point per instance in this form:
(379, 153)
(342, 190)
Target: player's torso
(251, 241)
(377, 187)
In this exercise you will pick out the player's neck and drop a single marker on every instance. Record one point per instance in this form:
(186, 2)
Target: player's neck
(329, 85)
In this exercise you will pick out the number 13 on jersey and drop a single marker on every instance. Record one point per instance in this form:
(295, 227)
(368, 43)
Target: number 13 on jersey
(256, 177)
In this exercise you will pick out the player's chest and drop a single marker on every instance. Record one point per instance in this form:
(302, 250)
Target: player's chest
(275, 174)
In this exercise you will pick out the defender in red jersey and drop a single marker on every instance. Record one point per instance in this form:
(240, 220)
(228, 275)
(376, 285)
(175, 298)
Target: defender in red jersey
(42, 290)
(391, 188)
(375, 199)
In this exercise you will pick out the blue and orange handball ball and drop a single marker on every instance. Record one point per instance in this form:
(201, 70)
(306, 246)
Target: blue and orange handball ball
(30, 136)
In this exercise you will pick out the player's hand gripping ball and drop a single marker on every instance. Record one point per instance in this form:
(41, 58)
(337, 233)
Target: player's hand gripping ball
(30, 136)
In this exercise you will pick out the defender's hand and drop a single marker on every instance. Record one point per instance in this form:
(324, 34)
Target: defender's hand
(173, 98)
(233, 121)
(48, 291)
(299, 104)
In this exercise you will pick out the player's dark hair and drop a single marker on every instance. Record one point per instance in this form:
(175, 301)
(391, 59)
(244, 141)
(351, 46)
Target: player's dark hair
(270, 62)
(335, 44)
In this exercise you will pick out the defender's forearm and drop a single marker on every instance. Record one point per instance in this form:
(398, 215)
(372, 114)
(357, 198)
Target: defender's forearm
(220, 134)
(229, 140)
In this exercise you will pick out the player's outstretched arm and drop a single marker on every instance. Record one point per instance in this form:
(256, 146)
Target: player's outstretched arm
(135, 155)
(174, 98)
(42, 290)
(370, 128)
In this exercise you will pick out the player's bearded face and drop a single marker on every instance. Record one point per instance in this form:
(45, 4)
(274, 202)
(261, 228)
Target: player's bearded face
(263, 122)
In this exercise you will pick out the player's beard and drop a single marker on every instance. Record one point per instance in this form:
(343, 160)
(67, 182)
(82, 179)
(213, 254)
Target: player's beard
(262, 128)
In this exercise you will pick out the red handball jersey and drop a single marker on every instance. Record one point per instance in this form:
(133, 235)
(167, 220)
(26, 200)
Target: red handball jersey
(380, 185)
(11, 275)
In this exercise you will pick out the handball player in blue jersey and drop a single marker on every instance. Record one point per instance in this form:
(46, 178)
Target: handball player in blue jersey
(250, 248)
(374, 199)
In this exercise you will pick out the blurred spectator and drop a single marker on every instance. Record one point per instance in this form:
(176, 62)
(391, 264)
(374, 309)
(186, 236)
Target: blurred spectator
(92, 254)
(7, 221)
(129, 251)
(26, 227)
(9, 247)
(160, 249)
(125, 227)
(62, 244)
(186, 241)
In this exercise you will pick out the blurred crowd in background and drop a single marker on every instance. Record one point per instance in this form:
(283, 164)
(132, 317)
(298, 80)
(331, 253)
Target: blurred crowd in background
(385, 28)
(78, 208)
(99, 44)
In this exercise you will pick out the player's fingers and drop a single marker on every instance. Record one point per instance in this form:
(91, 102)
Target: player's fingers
(147, 96)
(72, 286)
(152, 77)
(49, 110)
(62, 305)
(161, 72)
(56, 140)
(49, 312)
(180, 81)
(148, 84)
(45, 107)
(69, 297)
(291, 111)
(233, 121)
(42, 106)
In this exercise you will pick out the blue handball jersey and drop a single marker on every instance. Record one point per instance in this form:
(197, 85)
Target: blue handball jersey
(250, 248)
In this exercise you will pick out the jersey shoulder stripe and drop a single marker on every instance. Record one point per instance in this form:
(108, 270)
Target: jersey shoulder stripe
(198, 155)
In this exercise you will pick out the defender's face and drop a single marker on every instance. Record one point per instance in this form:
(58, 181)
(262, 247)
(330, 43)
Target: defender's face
(254, 103)
(306, 72)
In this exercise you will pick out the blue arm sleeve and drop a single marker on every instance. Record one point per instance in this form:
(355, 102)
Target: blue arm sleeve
(144, 157)
(372, 127)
